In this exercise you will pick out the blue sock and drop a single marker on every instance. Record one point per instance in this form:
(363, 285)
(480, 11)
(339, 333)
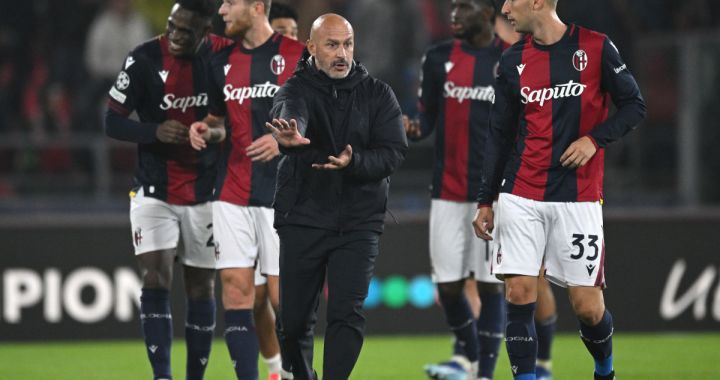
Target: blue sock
(598, 340)
(242, 343)
(199, 328)
(545, 333)
(521, 340)
(156, 321)
(490, 331)
(461, 321)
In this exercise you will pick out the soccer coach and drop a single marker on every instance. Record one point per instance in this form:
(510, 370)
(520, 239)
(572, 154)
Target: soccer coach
(341, 131)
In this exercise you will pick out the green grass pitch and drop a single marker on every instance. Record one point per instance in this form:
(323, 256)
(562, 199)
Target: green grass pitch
(637, 356)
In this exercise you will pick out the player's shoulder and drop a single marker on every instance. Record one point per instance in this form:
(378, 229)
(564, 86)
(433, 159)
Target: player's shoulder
(293, 47)
(218, 43)
(587, 34)
(149, 49)
(513, 54)
(441, 49)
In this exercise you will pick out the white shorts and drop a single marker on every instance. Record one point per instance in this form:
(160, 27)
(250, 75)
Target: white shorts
(455, 251)
(157, 225)
(567, 236)
(244, 235)
(259, 278)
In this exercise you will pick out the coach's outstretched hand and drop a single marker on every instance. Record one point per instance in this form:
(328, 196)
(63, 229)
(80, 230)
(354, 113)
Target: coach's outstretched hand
(337, 163)
(286, 133)
(483, 223)
(172, 132)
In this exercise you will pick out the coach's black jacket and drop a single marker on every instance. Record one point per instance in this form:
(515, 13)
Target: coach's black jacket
(358, 110)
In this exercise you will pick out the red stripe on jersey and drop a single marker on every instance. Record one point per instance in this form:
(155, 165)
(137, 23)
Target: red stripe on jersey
(237, 185)
(182, 160)
(289, 50)
(531, 177)
(217, 43)
(457, 121)
(594, 109)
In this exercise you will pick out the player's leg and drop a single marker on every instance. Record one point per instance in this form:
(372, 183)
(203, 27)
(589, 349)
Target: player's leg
(155, 237)
(473, 298)
(520, 235)
(545, 321)
(236, 249)
(575, 259)
(197, 254)
(452, 262)
(265, 328)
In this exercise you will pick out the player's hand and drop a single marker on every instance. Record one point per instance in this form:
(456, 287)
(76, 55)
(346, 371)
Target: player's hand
(172, 132)
(199, 135)
(483, 223)
(412, 127)
(337, 163)
(578, 153)
(263, 149)
(286, 133)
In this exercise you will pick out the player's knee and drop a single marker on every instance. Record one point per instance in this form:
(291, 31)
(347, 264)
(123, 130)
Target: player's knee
(519, 293)
(204, 291)
(450, 292)
(157, 278)
(589, 313)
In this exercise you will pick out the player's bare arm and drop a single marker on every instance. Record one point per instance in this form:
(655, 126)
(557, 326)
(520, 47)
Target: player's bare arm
(483, 223)
(263, 149)
(172, 132)
(578, 153)
(286, 133)
(337, 163)
(208, 131)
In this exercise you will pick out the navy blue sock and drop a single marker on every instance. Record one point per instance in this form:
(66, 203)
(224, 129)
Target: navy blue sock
(521, 340)
(598, 340)
(490, 331)
(242, 343)
(462, 322)
(156, 322)
(545, 333)
(199, 328)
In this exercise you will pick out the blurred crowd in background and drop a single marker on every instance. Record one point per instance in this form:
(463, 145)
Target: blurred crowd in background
(59, 58)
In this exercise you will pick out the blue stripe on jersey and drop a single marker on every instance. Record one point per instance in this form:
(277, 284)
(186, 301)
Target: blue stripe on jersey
(440, 56)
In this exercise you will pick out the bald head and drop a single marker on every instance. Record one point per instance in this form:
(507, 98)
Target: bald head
(331, 43)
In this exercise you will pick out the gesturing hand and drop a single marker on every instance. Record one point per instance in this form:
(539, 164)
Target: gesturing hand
(578, 153)
(263, 149)
(412, 127)
(286, 133)
(483, 223)
(337, 163)
(199, 135)
(172, 132)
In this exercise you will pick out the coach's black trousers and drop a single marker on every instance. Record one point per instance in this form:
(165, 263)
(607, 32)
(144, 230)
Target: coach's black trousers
(306, 256)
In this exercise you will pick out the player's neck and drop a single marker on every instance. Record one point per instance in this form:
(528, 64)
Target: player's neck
(257, 35)
(549, 30)
(480, 40)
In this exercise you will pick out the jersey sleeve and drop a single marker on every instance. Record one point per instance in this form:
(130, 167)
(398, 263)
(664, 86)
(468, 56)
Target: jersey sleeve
(625, 93)
(127, 91)
(429, 95)
(503, 125)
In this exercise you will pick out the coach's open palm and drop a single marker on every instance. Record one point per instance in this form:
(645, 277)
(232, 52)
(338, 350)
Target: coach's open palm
(337, 163)
(483, 223)
(286, 133)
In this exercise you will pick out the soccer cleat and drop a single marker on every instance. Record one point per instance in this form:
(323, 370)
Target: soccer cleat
(542, 373)
(455, 369)
(609, 376)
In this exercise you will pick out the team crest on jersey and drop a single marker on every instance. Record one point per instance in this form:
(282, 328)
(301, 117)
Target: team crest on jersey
(123, 81)
(277, 64)
(580, 60)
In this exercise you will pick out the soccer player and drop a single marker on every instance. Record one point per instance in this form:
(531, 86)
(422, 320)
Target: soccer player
(283, 19)
(548, 130)
(165, 81)
(243, 81)
(455, 99)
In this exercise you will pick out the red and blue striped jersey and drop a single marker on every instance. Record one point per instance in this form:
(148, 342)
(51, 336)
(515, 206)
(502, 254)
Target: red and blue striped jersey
(546, 97)
(160, 87)
(455, 99)
(243, 83)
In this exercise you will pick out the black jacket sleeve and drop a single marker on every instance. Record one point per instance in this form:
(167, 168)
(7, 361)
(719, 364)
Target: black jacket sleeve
(120, 127)
(503, 127)
(625, 93)
(288, 104)
(429, 97)
(388, 144)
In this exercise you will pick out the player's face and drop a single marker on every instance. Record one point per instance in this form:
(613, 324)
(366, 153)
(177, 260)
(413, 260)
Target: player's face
(236, 16)
(185, 31)
(333, 50)
(285, 26)
(518, 12)
(468, 18)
